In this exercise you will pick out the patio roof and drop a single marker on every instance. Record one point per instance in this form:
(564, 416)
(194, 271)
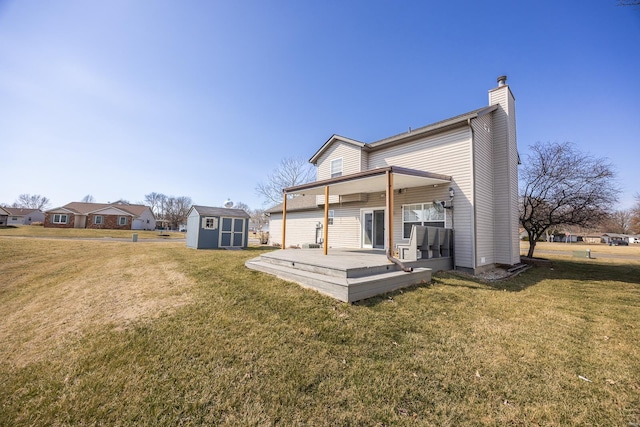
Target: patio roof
(370, 181)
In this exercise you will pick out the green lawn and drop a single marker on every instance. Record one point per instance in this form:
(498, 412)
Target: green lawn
(115, 333)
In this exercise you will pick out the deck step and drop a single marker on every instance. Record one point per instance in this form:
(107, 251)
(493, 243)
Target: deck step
(347, 289)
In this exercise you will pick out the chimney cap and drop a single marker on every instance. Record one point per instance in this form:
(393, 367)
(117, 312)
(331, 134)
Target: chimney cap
(502, 80)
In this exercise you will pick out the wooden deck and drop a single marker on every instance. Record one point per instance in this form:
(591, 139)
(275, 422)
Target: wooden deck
(346, 274)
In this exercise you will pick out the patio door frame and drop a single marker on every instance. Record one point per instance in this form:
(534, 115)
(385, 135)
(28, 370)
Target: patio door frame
(376, 226)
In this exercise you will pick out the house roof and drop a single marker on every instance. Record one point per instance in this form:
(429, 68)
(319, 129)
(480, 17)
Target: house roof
(433, 128)
(82, 208)
(3, 211)
(208, 210)
(20, 211)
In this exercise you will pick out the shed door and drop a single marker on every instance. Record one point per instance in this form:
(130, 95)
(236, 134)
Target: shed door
(232, 232)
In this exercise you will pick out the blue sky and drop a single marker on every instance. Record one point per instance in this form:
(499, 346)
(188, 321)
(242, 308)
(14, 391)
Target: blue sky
(118, 99)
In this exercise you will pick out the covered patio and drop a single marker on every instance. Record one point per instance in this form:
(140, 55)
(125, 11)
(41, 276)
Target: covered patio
(387, 180)
(352, 274)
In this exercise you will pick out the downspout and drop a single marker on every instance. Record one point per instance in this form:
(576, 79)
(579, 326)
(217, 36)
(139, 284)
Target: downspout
(389, 237)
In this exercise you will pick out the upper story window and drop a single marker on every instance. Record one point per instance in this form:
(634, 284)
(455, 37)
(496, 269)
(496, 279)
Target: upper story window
(60, 218)
(122, 220)
(336, 167)
(98, 219)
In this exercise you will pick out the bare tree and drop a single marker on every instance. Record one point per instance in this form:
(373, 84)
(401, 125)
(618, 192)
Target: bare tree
(564, 187)
(634, 222)
(156, 202)
(88, 199)
(176, 210)
(258, 219)
(290, 172)
(617, 222)
(34, 201)
(240, 205)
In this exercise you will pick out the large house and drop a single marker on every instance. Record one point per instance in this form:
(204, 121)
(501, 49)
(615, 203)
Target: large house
(118, 216)
(460, 174)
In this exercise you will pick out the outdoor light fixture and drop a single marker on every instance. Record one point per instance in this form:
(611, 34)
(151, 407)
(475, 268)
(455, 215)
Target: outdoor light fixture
(451, 193)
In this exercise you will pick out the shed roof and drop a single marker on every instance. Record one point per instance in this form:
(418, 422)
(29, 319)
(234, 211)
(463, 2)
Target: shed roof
(208, 210)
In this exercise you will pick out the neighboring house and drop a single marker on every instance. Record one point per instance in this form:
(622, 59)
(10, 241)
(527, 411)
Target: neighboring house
(609, 238)
(592, 238)
(117, 216)
(460, 173)
(21, 216)
(3, 217)
(213, 228)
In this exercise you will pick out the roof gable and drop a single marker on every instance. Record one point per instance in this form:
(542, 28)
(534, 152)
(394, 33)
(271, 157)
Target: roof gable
(334, 138)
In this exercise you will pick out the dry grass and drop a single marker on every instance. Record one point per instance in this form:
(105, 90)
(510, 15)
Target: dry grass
(53, 291)
(85, 233)
(105, 333)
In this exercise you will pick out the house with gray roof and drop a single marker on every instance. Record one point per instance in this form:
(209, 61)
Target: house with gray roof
(24, 216)
(459, 174)
(114, 216)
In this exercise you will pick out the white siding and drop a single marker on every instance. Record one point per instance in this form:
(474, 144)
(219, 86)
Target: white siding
(449, 154)
(484, 201)
(351, 159)
(506, 176)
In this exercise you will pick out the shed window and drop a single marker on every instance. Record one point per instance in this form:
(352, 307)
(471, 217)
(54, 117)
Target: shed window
(420, 214)
(336, 168)
(210, 223)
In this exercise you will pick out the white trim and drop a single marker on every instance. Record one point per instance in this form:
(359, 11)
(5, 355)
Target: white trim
(336, 174)
(233, 233)
(363, 211)
(424, 220)
(66, 219)
(95, 217)
(126, 221)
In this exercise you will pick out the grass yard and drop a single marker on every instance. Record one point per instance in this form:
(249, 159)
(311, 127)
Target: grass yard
(86, 233)
(153, 333)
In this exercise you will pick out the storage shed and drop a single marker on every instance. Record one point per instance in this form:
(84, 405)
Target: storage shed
(213, 228)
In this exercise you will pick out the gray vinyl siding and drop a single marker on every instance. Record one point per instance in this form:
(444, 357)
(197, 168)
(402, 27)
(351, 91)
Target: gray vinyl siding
(449, 154)
(484, 201)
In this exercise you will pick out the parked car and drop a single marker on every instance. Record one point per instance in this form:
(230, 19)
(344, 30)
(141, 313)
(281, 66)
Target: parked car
(618, 243)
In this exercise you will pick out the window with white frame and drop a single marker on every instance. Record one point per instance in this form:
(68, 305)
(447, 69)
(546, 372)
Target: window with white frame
(98, 219)
(330, 217)
(210, 223)
(336, 168)
(122, 220)
(420, 214)
(60, 218)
